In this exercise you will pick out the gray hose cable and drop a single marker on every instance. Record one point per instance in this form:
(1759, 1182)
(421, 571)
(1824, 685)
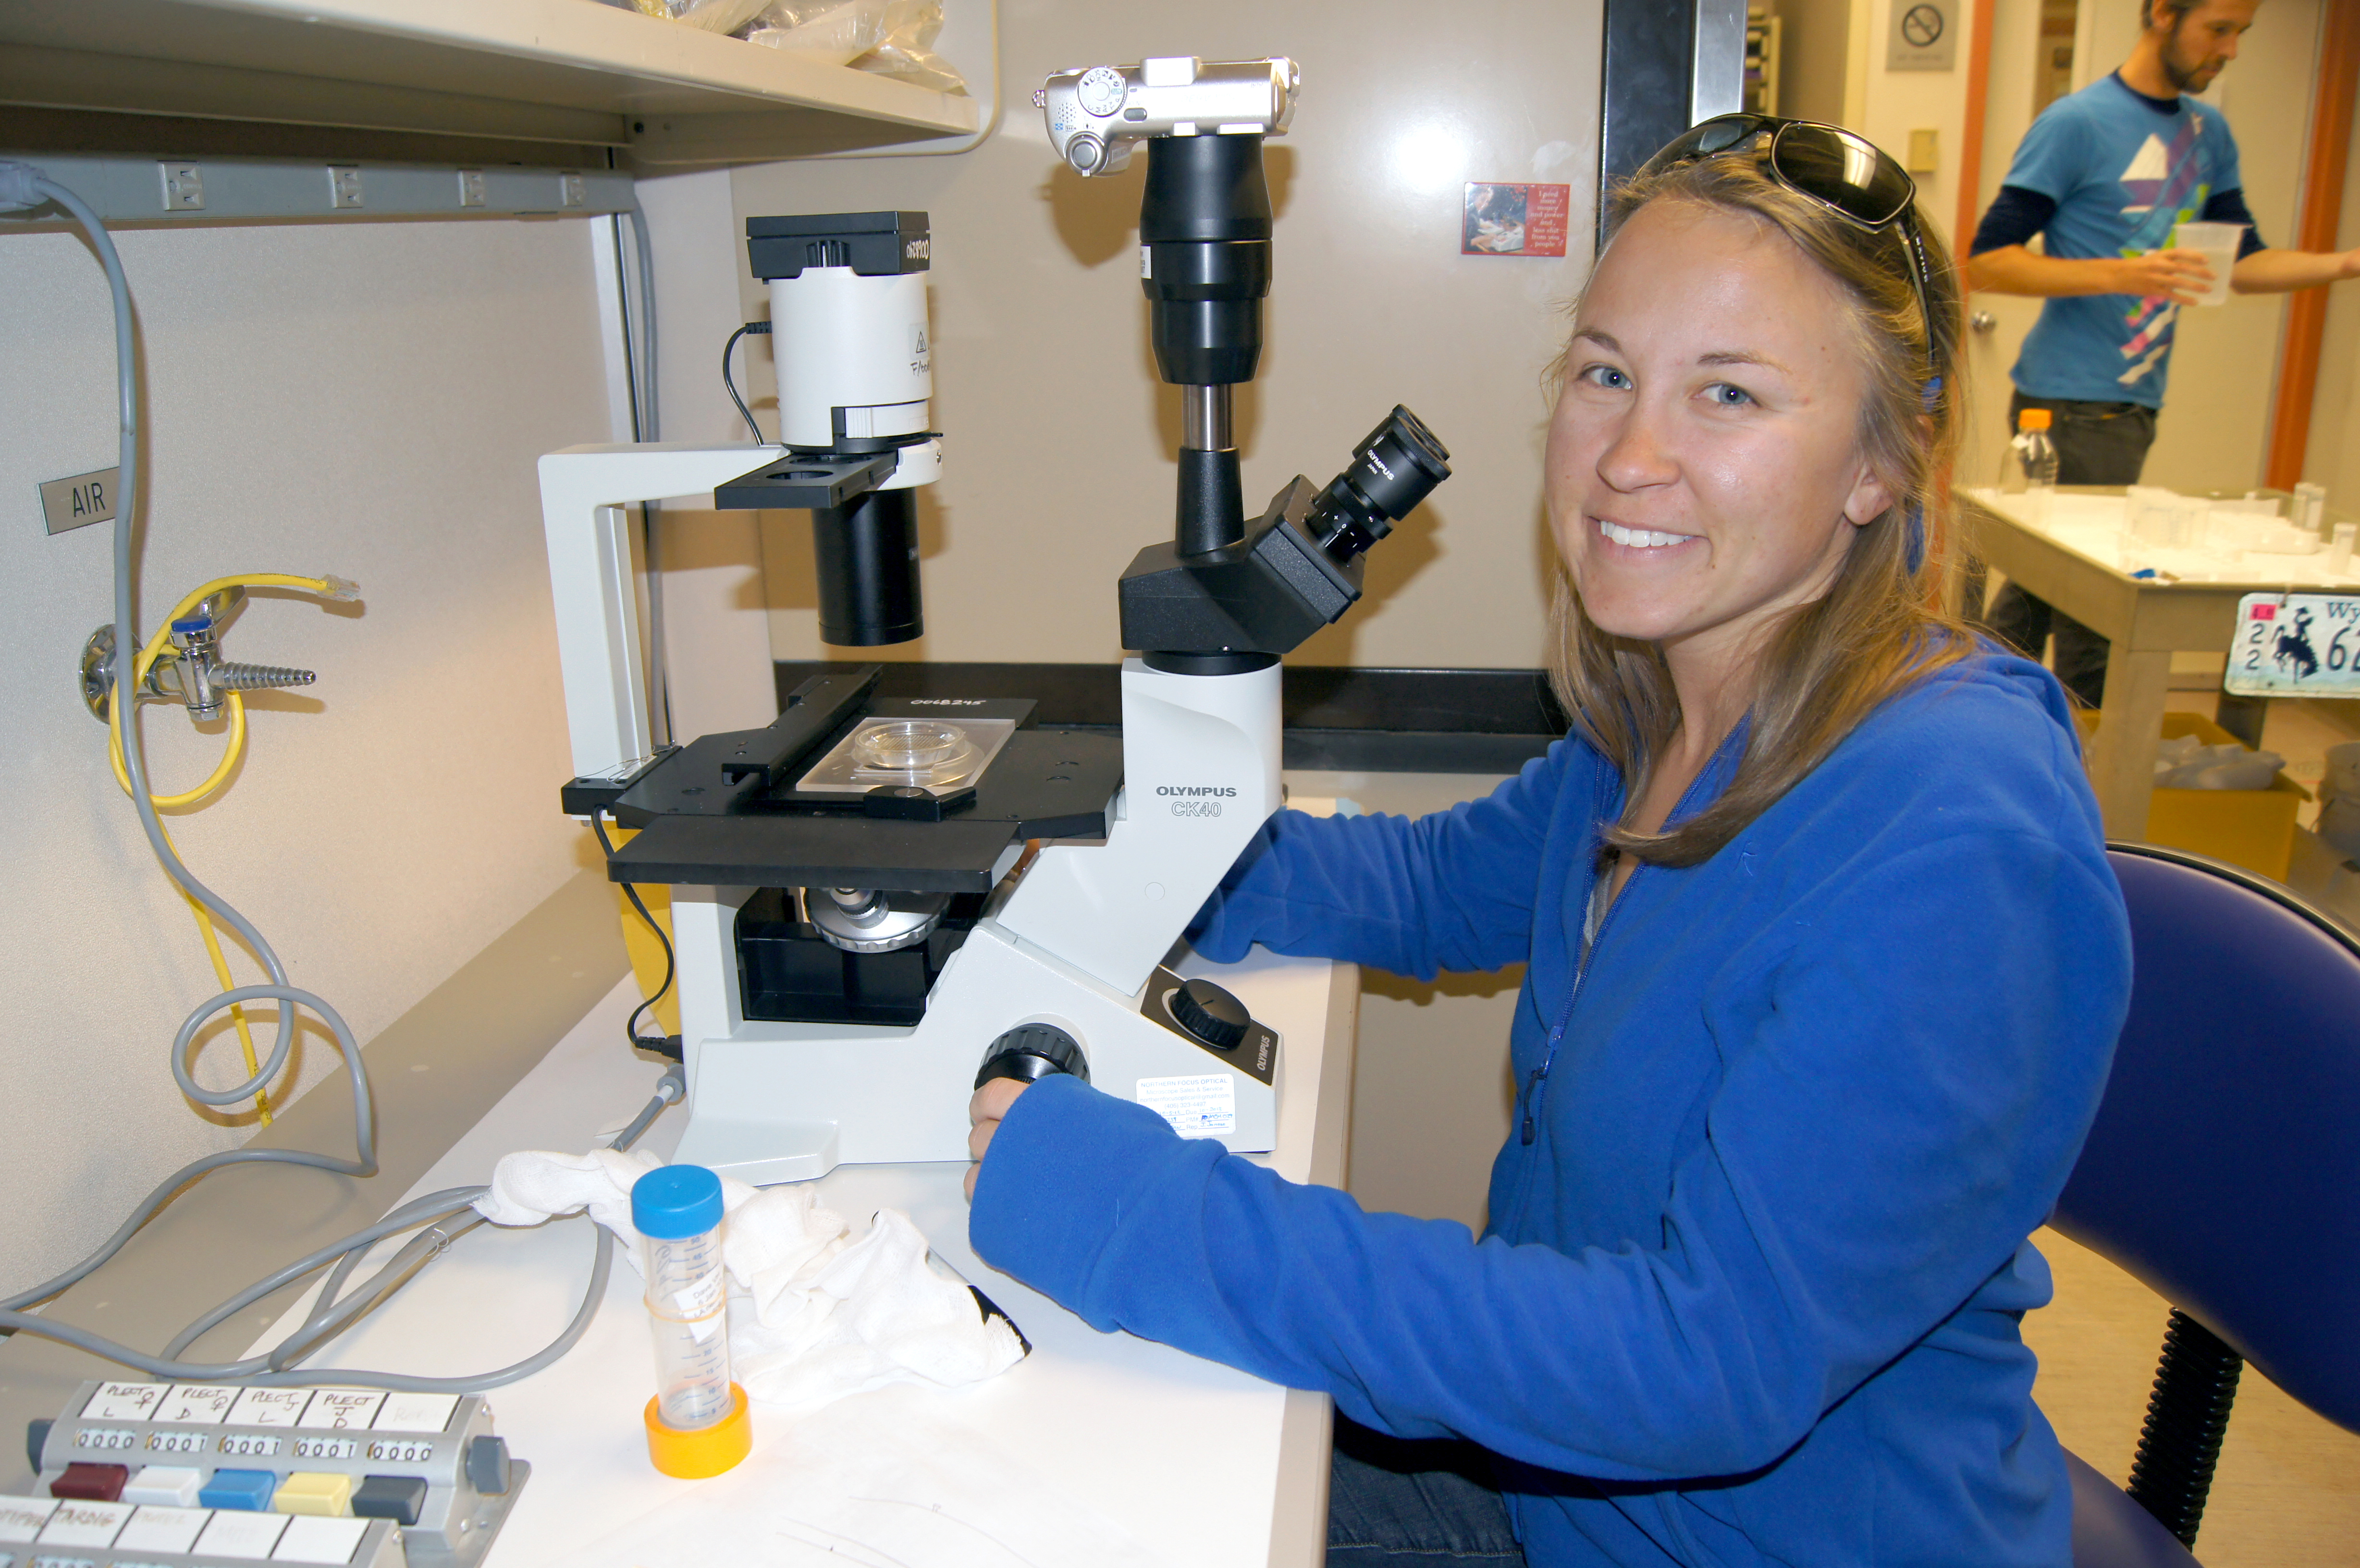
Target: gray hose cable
(24, 186)
(649, 427)
(257, 1371)
(431, 1206)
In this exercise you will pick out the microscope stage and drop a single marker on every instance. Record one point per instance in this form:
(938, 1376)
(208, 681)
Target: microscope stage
(1045, 783)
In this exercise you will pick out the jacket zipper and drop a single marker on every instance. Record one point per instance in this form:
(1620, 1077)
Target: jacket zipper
(1565, 1014)
(1581, 973)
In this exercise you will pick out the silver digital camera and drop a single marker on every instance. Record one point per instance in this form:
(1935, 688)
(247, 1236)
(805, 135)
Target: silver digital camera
(1098, 113)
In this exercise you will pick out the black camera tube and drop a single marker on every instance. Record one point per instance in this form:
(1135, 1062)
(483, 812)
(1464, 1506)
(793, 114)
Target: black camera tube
(867, 560)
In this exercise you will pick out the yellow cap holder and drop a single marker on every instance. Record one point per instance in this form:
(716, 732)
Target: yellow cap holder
(693, 1455)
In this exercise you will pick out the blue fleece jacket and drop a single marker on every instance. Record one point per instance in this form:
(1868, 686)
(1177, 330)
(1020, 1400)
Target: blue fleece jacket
(1756, 1261)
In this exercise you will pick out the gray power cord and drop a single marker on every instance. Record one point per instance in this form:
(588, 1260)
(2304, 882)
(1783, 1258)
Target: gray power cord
(647, 427)
(23, 186)
(331, 1314)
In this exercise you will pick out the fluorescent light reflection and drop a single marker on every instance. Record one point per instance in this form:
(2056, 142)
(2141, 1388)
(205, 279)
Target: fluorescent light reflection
(1430, 156)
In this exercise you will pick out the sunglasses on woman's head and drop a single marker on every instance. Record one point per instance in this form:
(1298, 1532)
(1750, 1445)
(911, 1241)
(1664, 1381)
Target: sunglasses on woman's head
(1848, 174)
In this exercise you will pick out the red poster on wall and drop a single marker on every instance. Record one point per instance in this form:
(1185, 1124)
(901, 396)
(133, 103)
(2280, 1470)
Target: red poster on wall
(1514, 220)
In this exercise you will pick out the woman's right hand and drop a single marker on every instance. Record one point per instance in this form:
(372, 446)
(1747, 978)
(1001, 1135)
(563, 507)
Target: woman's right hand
(983, 1113)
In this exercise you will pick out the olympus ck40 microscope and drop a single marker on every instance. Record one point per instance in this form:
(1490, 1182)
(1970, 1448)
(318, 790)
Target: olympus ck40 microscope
(878, 905)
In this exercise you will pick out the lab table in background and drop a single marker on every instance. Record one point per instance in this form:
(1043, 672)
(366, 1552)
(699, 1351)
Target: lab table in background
(2076, 565)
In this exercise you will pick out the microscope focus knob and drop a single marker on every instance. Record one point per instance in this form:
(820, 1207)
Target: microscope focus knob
(1030, 1052)
(1210, 1014)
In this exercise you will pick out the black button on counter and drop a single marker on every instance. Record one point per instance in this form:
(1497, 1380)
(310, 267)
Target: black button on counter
(395, 1497)
(488, 1465)
(1210, 1014)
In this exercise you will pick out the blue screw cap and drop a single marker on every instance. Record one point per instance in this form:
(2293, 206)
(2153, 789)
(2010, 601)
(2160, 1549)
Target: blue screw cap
(673, 1202)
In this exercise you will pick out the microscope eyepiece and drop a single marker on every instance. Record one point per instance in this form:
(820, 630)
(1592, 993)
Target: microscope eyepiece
(1392, 470)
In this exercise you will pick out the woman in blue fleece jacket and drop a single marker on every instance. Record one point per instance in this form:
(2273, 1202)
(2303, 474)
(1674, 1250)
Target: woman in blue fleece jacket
(1826, 966)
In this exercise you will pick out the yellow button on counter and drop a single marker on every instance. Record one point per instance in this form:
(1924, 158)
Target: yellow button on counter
(313, 1492)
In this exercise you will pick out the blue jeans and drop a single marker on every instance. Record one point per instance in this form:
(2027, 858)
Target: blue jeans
(1397, 1504)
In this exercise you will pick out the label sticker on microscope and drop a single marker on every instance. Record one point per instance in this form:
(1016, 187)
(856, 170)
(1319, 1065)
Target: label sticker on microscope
(21, 1518)
(1201, 1104)
(415, 1413)
(335, 1407)
(200, 1404)
(78, 1523)
(122, 1402)
(269, 1407)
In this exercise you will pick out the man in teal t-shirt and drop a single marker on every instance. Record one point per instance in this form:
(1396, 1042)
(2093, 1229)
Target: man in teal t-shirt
(2103, 175)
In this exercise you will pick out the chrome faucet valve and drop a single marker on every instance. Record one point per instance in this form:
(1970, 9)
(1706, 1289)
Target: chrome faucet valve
(193, 674)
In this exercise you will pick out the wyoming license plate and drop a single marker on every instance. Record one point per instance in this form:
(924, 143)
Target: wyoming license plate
(2296, 645)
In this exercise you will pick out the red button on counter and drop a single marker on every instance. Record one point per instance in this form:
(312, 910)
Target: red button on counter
(91, 1482)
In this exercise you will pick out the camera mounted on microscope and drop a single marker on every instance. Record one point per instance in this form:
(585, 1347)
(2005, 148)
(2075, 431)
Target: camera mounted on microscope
(854, 361)
(1225, 595)
(1098, 113)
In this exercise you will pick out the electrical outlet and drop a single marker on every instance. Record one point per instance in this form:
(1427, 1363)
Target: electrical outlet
(571, 192)
(471, 188)
(184, 187)
(343, 185)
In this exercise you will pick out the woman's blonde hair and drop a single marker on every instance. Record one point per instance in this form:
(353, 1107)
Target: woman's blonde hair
(1879, 628)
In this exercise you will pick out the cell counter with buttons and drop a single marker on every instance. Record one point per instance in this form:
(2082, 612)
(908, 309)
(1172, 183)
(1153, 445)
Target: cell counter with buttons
(196, 1474)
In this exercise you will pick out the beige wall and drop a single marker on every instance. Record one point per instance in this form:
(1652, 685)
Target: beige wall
(1814, 52)
(365, 400)
(1060, 439)
(717, 624)
(1894, 102)
(2333, 458)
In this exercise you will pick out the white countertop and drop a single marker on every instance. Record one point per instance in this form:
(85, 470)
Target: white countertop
(1096, 1449)
(2097, 527)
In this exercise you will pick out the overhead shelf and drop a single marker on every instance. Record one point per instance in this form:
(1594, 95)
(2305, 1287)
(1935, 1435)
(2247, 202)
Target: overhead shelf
(558, 70)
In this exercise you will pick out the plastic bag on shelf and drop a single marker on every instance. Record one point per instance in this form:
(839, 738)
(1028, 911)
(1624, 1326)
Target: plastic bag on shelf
(2185, 763)
(891, 38)
(2339, 798)
(706, 16)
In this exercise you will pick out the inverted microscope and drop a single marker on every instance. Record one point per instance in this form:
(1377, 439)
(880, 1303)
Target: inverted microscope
(878, 904)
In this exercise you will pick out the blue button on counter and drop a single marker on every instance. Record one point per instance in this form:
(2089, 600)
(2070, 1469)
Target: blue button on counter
(249, 1489)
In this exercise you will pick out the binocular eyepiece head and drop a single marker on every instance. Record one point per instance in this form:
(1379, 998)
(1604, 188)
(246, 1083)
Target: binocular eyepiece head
(1392, 470)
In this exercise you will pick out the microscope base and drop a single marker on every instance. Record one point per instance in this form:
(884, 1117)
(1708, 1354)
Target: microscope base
(784, 1102)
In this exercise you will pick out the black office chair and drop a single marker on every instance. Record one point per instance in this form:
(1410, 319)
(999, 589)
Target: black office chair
(2224, 1170)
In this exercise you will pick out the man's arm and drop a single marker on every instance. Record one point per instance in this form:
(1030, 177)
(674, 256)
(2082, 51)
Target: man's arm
(2013, 269)
(2278, 271)
(2262, 271)
(2001, 263)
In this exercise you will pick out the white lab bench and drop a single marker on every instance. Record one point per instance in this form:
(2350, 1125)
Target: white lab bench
(2072, 560)
(1113, 1441)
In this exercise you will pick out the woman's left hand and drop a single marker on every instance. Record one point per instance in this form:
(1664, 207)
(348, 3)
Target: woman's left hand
(985, 1111)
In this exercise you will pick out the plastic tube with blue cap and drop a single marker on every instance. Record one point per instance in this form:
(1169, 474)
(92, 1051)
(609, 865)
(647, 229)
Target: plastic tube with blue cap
(697, 1423)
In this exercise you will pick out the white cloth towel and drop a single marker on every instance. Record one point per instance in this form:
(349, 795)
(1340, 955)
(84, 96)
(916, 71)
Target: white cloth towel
(816, 1313)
